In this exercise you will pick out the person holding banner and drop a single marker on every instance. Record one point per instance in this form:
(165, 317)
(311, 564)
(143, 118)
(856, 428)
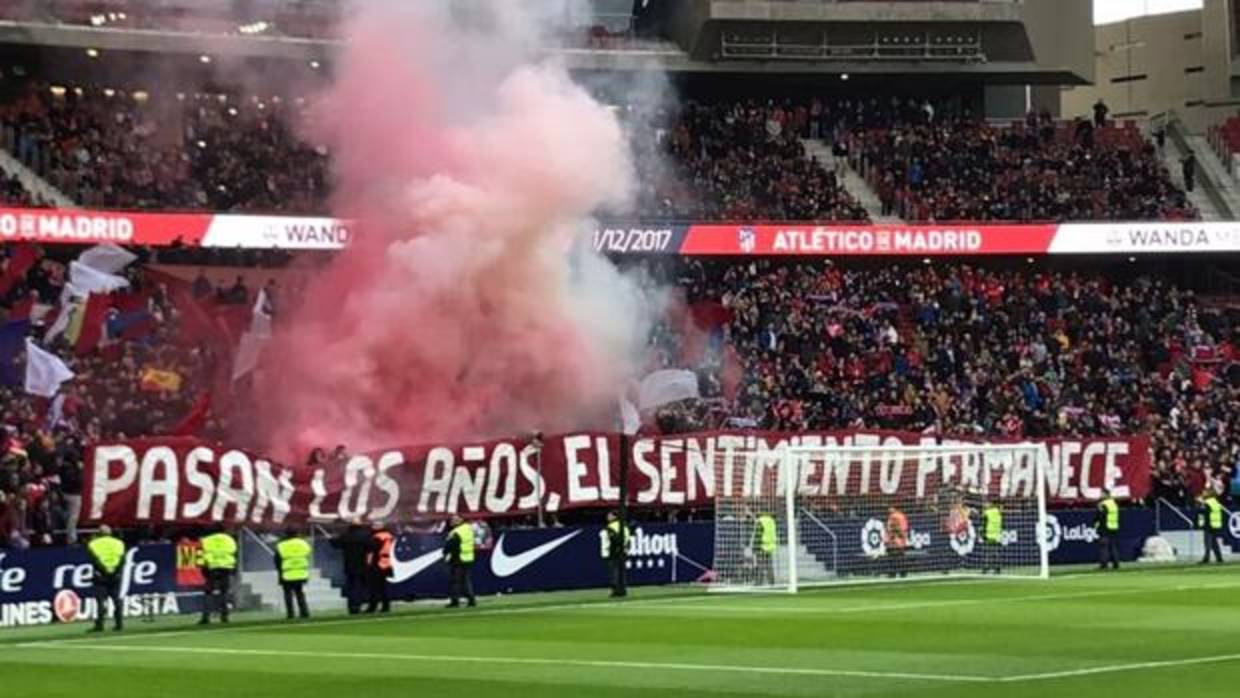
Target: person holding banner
(1211, 520)
(219, 561)
(107, 555)
(1106, 523)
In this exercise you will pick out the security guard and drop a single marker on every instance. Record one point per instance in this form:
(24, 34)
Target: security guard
(379, 568)
(293, 555)
(107, 555)
(1106, 523)
(992, 536)
(615, 552)
(1210, 519)
(766, 535)
(219, 561)
(458, 552)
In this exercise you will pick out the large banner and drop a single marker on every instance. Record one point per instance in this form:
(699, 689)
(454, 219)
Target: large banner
(53, 585)
(176, 480)
(79, 226)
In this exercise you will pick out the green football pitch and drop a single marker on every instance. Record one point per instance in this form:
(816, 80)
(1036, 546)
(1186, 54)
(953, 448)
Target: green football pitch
(1165, 632)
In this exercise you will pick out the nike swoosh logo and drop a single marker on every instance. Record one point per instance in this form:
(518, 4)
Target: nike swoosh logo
(505, 565)
(406, 569)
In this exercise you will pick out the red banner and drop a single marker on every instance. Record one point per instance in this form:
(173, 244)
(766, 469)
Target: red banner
(177, 480)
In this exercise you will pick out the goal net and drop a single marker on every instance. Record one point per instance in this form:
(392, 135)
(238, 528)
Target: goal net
(804, 516)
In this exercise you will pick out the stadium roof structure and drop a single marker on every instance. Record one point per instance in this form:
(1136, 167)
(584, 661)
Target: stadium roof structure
(1002, 41)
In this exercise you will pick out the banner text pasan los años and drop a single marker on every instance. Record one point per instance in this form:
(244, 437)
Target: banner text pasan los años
(171, 480)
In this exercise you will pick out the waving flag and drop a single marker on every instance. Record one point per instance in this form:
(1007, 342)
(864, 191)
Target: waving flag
(44, 371)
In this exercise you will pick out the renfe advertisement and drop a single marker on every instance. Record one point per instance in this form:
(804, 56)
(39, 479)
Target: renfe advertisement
(53, 585)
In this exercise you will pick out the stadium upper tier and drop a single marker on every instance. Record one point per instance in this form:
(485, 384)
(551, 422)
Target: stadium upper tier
(743, 160)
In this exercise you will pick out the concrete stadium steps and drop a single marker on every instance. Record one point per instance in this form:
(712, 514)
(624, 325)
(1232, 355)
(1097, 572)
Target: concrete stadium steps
(265, 586)
(809, 566)
(1189, 546)
(1171, 155)
(32, 182)
(852, 182)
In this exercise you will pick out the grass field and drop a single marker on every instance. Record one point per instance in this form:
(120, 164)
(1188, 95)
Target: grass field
(1167, 632)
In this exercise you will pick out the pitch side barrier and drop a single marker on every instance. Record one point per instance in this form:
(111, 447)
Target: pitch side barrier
(89, 227)
(52, 585)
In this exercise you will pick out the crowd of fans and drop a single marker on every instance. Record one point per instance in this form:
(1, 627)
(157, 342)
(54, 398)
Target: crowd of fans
(737, 160)
(944, 348)
(949, 348)
(734, 161)
(150, 372)
(962, 350)
(958, 169)
(107, 148)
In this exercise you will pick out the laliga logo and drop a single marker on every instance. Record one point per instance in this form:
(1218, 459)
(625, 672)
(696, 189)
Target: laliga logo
(963, 541)
(872, 538)
(1052, 533)
(1234, 524)
(747, 239)
(872, 535)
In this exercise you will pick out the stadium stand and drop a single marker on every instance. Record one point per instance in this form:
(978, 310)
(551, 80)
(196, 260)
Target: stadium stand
(106, 148)
(947, 348)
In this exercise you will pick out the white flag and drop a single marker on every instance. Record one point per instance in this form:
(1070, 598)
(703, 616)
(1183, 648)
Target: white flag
(248, 354)
(44, 371)
(260, 320)
(667, 386)
(108, 258)
(88, 280)
(630, 420)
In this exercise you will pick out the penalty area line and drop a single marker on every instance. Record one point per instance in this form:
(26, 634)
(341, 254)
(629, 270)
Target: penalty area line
(522, 661)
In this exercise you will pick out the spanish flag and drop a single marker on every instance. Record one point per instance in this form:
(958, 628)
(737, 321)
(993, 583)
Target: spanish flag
(158, 381)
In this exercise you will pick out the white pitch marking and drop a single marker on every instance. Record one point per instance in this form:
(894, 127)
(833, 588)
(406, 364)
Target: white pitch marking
(522, 661)
(1110, 669)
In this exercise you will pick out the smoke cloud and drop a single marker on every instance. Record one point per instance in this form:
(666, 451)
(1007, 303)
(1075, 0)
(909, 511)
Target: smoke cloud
(464, 309)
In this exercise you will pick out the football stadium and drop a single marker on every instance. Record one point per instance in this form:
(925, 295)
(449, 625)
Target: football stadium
(619, 347)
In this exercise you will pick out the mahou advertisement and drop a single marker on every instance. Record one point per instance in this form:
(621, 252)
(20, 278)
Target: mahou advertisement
(177, 480)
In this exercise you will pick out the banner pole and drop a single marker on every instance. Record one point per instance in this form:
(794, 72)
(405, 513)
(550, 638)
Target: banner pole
(625, 453)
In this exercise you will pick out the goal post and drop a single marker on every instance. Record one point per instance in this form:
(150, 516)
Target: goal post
(813, 515)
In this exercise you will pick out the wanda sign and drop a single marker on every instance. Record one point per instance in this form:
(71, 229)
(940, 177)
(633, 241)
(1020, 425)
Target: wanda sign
(790, 239)
(175, 480)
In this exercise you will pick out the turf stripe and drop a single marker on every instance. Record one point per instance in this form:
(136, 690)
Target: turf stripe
(522, 661)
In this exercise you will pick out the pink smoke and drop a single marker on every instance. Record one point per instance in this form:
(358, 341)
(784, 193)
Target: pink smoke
(456, 315)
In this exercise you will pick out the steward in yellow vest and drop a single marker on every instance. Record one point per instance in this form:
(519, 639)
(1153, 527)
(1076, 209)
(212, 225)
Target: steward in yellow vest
(766, 535)
(992, 537)
(1211, 520)
(458, 552)
(616, 553)
(293, 555)
(219, 563)
(107, 555)
(1107, 525)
